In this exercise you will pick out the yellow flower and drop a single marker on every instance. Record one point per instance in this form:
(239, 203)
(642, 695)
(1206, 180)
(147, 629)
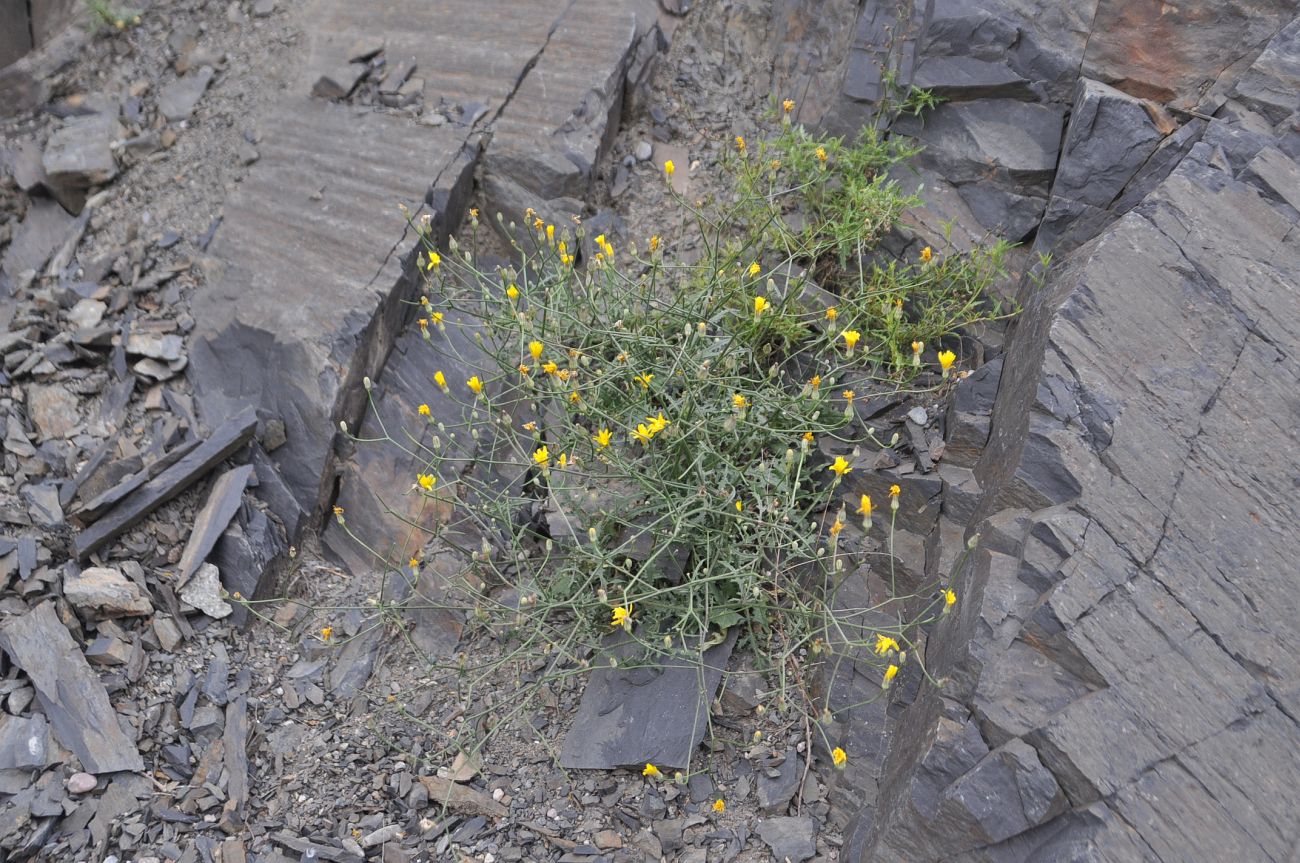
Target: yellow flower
(603, 437)
(654, 244)
(550, 367)
(669, 168)
(808, 437)
(832, 313)
(837, 527)
(926, 255)
(815, 382)
(884, 644)
(949, 598)
(423, 410)
(523, 369)
(821, 155)
(531, 426)
(512, 292)
(550, 234)
(849, 396)
(895, 491)
(754, 269)
(441, 380)
(644, 380)
(437, 319)
(787, 105)
(423, 324)
(563, 460)
(338, 512)
(426, 481)
(622, 616)
(326, 633)
(542, 456)
(538, 224)
(719, 805)
(536, 348)
(890, 673)
(850, 338)
(650, 769)
(574, 398)
(414, 563)
(917, 347)
(839, 757)
(739, 402)
(435, 260)
(740, 506)
(740, 144)
(775, 165)
(642, 434)
(760, 305)
(840, 466)
(946, 359)
(864, 505)
(473, 212)
(475, 384)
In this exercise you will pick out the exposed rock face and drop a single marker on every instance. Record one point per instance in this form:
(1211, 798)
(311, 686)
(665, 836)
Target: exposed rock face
(1120, 680)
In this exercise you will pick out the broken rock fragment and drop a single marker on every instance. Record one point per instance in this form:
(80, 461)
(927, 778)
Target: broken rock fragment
(80, 153)
(103, 592)
(204, 592)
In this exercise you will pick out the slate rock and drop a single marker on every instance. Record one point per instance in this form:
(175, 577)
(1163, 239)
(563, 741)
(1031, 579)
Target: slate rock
(656, 713)
(159, 347)
(103, 592)
(177, 100)
(37, 237)
(23, 742)
(776, 791)
(79, 153)
(1271, 86)
(69, 692)
(790, 838)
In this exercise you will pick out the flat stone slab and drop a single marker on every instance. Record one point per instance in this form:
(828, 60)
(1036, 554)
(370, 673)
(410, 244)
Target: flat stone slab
(656, 714)
(69, 691)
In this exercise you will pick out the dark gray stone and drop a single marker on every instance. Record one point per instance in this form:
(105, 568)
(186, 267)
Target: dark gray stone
(778, 783)
(1271, 85)
(645, 711)
(223, 501)
(68, 691)
(80, 152)
(792, 839)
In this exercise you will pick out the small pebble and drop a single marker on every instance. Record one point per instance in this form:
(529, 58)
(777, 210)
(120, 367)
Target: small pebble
(81, 783)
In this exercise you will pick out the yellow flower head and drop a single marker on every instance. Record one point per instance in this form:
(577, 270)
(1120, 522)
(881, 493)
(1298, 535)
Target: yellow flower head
(760, 305)
(622, 616)
(946, 359)
(536, 348)
(815, 381)
(651, 771)
(894, 490)
(740, 506)
(523, 369)
(719, 805)
(437, 318)
(808, 437)
(574, 398)
(642, 434)
(787, 105)
(840, 467)
(949, 598)
(326, 633)
(414, 563)
(669, 168)
(926, 254)
(338, 512)
(837, 527)
(423, 323)
(603, 437)
(739, 402)
(849, 396)
(864, 505)
(644, 380)
(832, 313)
(426, 481)
(917, 347)
(473, 212)
(850, 338)
(550, 234)
(839, 757)
(550, 367)
(542, 456)
(657, 423)
(435, 261)
(654, 244)
(563, 460)
(884, 644)
(890, 673)
(440, 379)
(538, 224)
(821, 155)
(531, 426)
(754, 269)
(512, 292)
(740, 144)
(475, 384)
(423, 410)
